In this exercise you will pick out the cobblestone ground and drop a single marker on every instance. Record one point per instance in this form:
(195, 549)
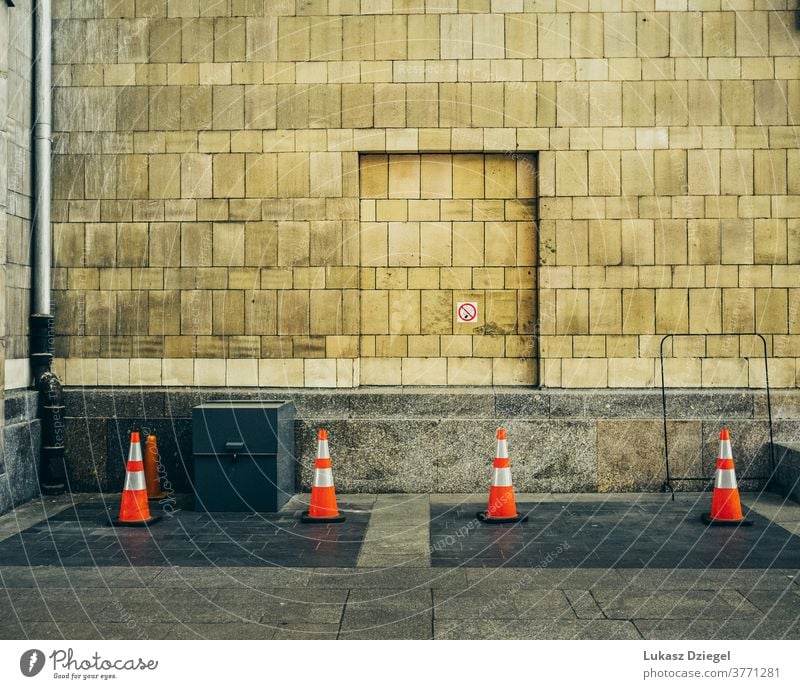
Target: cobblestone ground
(624, 566)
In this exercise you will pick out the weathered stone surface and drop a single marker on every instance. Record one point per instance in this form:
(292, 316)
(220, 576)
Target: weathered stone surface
(370, 456)
(709, 404)
(626, 405)
(101, 403)
(441, 440)
(441, 404)
(702, 628)
(787, 461)
(21, 460)
(631, 454)
(555, 456)
(531, 404)
(534, 629)
(86, 452)
(20, 406)
(311, 405)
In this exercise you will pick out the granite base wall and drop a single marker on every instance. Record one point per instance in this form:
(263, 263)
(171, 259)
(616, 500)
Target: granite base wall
(439, 441)
(19, 461)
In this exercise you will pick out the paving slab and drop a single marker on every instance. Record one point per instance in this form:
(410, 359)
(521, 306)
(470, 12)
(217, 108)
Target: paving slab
(78, 536)
(551, 577)
(272, 606)
(741, 579)
(483, 602)
(398, 532)
(90, 630)
(222, 631)
(388, 614)
(624, 535)
(760, 628)
(407, 578)
(673, 605)
(586, 566)
(535, 629)
(776, 605)
(584, 605)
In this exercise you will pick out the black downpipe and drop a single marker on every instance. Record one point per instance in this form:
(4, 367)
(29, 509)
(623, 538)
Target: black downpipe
(53, 471)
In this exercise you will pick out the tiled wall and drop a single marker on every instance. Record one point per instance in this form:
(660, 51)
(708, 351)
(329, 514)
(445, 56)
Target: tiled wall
(15, 178)
(437, 231)
(207, 181)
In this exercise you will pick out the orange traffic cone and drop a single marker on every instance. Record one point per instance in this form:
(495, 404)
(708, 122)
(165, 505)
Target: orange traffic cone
(726, 508)
(154, 491)
(502, 506)
(134, 510)
(323, 494)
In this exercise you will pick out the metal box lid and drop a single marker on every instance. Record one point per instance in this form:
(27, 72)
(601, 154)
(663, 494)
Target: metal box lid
(245, 427)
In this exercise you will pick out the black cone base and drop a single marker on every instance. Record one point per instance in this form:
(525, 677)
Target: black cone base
(486, 519)
(321, 520)
(114, 521)
(725, 522)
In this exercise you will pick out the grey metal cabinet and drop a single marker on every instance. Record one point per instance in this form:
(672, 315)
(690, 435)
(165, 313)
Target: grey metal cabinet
(243, 455)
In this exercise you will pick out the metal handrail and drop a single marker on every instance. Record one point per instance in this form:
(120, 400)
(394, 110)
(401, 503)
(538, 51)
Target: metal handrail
(668, 480)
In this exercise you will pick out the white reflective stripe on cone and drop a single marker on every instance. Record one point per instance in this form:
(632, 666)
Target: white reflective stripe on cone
(725, 449)
(322, 450)
(134, 480)
(502, 477)
(726, 478)
(323, 478)
(135, 455)
(502, 449)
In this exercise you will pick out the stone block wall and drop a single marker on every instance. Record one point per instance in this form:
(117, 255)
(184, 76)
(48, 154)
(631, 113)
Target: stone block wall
(442, 440)
(207, 195)
(443, 230)
(18, 427)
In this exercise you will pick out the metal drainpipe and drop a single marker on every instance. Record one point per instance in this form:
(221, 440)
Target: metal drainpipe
(52, 476)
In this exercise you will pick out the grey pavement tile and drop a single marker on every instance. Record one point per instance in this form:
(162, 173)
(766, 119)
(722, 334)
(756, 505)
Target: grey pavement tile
(57, 576)
(651, 579)
(13, 627)
(776, 605)
(132, 576)
(584, 605)
(404, 578)
(687, 605)
(79, 631)
(52, 605)
(387, 614)
(761, 628)
(251, 630)
(534, 629)
(301, 631)
(365, 626)
(273, 606)
(583, 578)
(34, 511)
(174, 605)
(223, 577)
(394, 560)
(175, 613)
(483, 602)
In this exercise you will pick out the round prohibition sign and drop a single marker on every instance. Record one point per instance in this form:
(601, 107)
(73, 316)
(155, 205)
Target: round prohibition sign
(467, 312)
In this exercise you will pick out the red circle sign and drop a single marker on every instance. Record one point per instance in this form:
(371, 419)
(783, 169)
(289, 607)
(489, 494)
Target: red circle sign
(467, 312)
